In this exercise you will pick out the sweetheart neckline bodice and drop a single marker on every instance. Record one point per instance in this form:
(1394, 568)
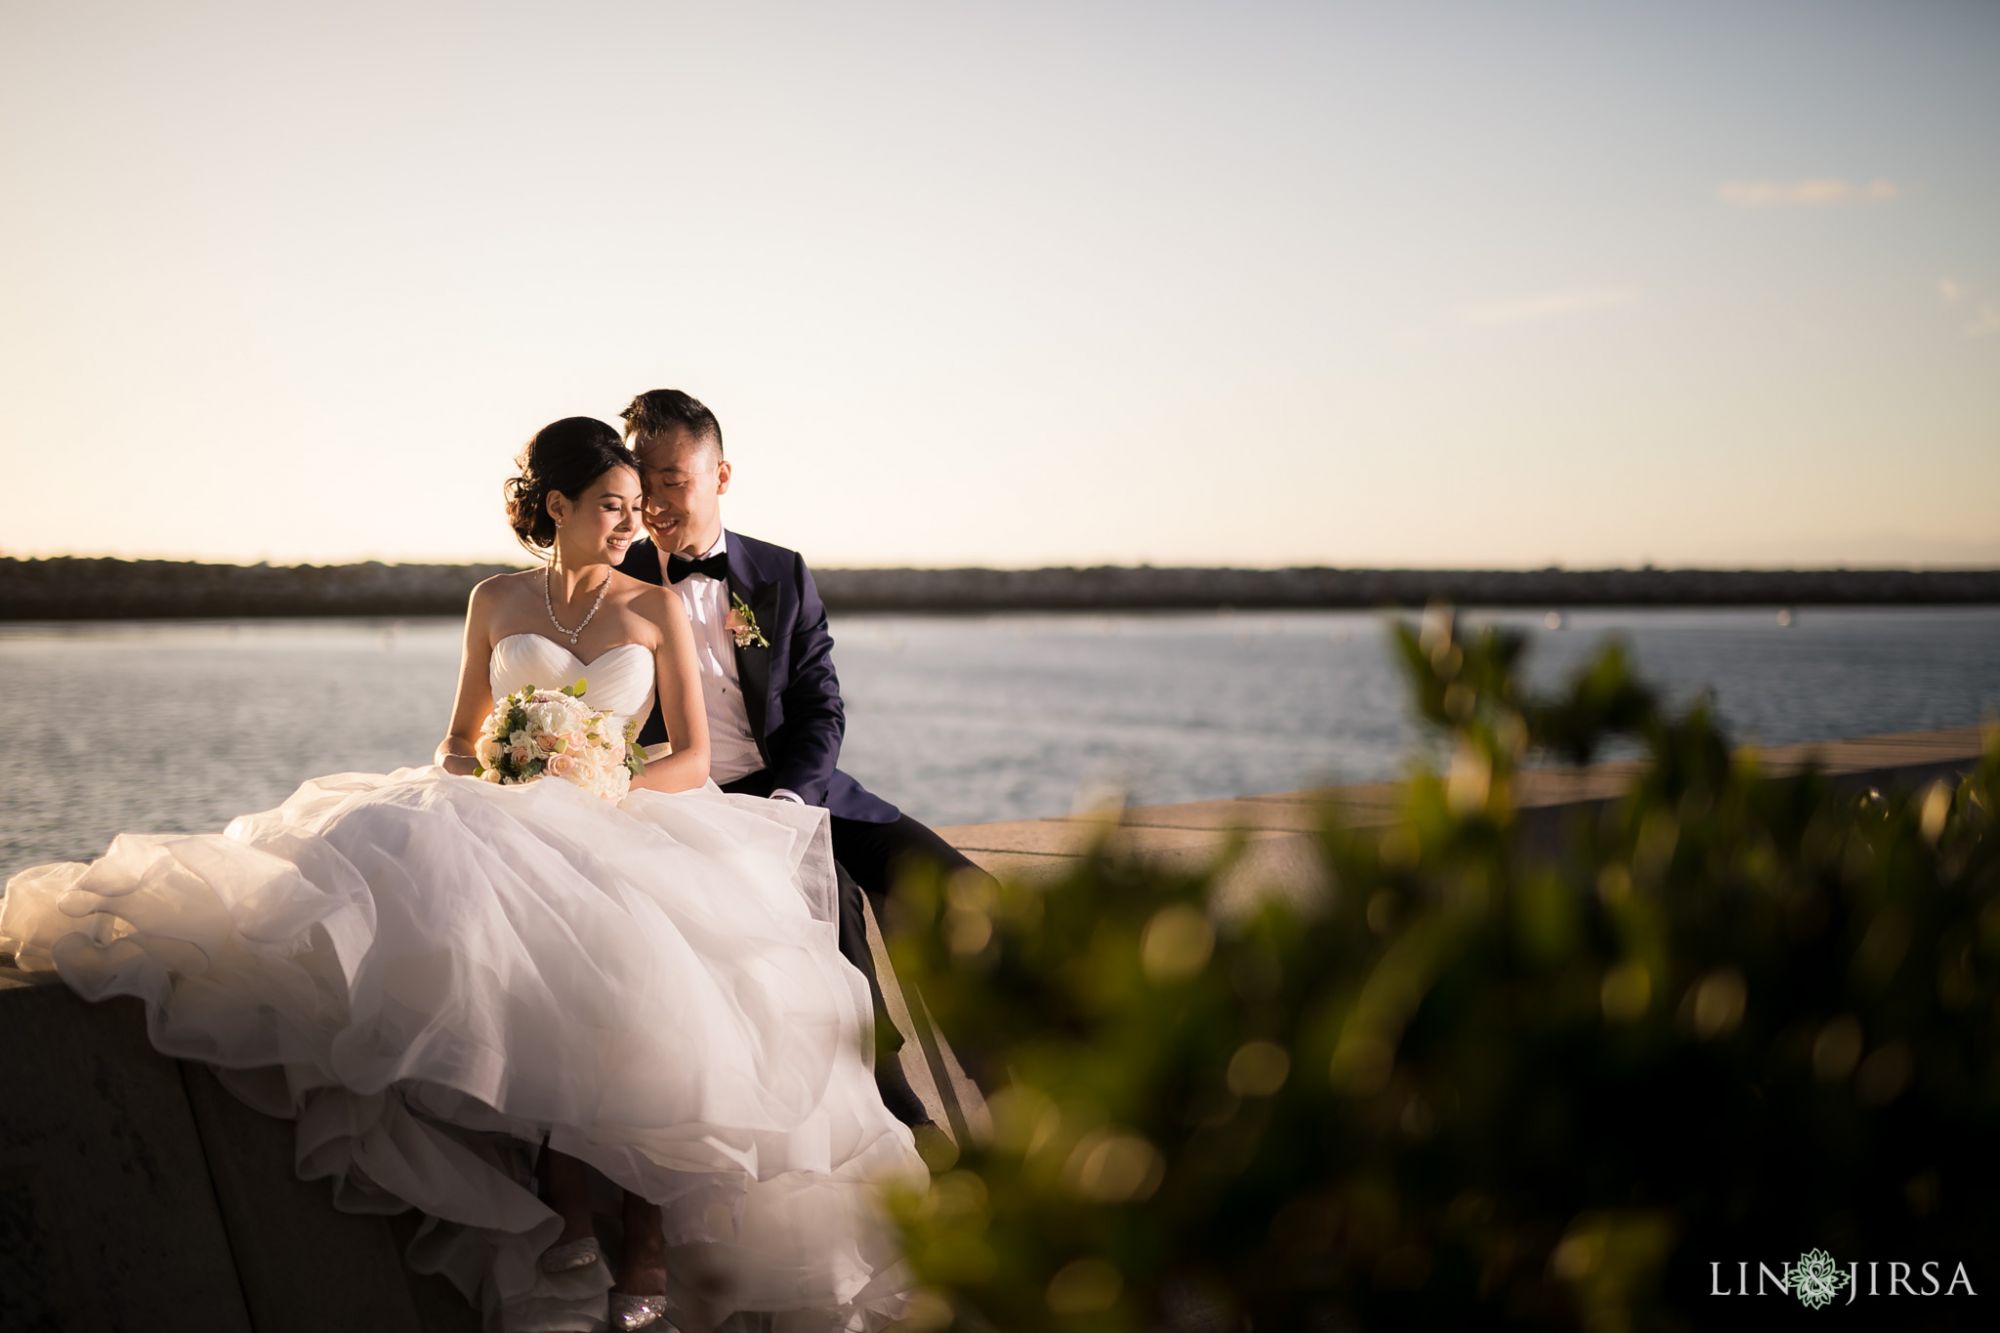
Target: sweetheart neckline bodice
(563, 647)
(611, 685)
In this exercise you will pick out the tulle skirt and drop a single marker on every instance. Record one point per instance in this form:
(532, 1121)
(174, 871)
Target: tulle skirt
(433, 974)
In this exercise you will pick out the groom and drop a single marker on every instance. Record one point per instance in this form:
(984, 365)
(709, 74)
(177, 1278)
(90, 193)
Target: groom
(774, 713)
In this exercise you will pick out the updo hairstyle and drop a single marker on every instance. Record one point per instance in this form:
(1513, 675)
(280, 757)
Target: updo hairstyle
(565, 456)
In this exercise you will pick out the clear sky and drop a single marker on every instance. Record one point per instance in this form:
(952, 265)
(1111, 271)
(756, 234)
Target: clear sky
(1015, 283)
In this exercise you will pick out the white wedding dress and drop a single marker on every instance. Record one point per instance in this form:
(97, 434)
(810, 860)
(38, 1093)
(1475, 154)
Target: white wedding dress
(407, 963)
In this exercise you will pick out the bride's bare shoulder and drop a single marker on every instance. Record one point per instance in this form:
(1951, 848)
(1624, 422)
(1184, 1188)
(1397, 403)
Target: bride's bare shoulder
(497, 587)
(497, 595)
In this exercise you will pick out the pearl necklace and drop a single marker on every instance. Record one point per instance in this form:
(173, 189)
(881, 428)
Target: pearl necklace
(549, 600)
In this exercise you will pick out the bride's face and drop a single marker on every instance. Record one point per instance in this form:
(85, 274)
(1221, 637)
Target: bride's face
(597, 526)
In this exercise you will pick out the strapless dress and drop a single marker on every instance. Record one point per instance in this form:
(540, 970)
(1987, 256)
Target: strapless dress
(432, 974)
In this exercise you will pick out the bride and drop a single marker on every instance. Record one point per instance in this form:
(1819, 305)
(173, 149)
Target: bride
(491, 1002)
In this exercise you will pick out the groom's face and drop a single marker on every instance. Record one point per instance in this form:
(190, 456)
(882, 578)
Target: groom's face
(684, 477)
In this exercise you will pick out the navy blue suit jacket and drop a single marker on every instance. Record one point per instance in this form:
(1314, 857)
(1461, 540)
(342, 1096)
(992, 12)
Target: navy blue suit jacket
(789, 689)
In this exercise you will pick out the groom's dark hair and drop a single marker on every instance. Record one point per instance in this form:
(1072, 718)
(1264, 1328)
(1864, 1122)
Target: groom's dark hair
(658, 410)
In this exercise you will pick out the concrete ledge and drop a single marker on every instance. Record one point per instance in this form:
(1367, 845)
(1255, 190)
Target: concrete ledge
(1546, 798)
(108, 1217)
(301, 1263)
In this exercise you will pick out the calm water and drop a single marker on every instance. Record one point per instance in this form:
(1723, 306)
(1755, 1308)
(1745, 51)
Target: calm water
(178, 727)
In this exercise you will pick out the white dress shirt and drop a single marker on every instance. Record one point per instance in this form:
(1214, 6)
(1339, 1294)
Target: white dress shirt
(732, 749)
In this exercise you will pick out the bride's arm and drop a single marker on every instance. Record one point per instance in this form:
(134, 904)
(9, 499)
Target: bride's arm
(475, 691)
(680, 698)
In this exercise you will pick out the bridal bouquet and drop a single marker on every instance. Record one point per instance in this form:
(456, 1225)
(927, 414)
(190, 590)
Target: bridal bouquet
(534, 733)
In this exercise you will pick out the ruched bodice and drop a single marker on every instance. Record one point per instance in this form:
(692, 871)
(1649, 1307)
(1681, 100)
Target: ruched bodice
(619, 679)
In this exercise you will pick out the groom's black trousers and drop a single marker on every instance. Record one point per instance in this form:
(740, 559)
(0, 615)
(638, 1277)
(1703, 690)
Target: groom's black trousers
(867, 859)
(870, 857)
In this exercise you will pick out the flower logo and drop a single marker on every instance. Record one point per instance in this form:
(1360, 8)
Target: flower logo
(1816, 1279)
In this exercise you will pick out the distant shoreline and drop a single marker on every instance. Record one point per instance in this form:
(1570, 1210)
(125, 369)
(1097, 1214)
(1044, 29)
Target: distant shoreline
(72, 588)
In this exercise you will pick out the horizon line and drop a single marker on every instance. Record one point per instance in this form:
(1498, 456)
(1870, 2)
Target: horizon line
(1647, 567)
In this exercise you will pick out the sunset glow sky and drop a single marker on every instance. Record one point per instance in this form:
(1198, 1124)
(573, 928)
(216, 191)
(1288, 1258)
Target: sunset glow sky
(1015, 284)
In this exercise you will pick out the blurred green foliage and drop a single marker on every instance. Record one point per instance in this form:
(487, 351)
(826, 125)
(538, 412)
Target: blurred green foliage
(1473, 1079)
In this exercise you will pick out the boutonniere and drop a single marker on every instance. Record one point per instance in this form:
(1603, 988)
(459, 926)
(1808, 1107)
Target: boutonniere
(742, 623)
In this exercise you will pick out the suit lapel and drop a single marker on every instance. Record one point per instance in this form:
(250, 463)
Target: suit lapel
(753, 665)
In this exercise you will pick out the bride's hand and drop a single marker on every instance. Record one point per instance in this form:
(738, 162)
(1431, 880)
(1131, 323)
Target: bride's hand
(451, 760)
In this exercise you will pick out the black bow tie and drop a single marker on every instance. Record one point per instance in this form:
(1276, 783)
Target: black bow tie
(715, 566)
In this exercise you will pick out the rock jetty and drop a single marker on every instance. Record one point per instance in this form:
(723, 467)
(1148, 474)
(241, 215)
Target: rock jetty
(72, 588)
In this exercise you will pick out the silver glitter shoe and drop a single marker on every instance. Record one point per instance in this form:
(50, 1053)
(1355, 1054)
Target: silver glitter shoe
(629, 1313)
(571, 1255)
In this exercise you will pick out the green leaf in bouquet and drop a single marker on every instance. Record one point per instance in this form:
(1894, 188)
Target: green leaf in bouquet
(575, 691)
